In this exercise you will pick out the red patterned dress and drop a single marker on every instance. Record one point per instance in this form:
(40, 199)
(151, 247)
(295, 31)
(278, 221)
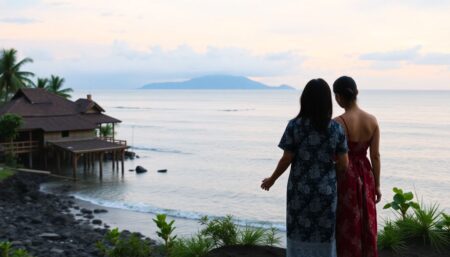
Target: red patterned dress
(356, 230)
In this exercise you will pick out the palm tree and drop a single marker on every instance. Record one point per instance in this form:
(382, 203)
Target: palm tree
(55, 86)
(42, 83)
(11, 76)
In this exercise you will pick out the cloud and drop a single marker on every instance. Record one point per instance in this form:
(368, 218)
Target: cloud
(394, 59)
(120, 65)
(18, 20)
(396, 55)
(434, 59)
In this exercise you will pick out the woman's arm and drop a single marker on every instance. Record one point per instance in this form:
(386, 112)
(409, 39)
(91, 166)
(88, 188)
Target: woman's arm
(376, 161)
(283, 164)
(341, 164)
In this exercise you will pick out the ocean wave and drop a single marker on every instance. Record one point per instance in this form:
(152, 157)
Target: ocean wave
(159, 150)
(146, 208)
(235, 110)
(142, 108)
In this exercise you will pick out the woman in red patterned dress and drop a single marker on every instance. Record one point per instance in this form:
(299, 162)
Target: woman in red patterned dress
(359, 188)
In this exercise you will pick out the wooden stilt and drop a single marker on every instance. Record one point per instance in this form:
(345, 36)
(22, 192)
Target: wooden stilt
(123, 159)
(58, 162)
(101, 165)
(74, 166)
(113, 160)
(84, 163)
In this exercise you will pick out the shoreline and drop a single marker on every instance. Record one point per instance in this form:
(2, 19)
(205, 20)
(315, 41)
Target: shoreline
(48, 225)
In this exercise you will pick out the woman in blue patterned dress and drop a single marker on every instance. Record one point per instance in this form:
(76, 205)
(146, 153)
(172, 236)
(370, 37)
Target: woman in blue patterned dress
(315, 147)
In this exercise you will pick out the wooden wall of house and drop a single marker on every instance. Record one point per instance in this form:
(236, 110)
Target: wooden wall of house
(73, 135)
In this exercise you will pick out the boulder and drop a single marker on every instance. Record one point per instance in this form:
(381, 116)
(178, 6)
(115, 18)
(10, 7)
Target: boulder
(140, 169)
(162, 171)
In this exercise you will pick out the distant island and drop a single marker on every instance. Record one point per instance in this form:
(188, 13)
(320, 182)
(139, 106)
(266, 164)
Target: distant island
(216, 82)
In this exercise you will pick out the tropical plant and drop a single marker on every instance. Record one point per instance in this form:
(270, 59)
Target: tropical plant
(106, 130)
(196, 246)
(7, 250)
(391, 237)
(222, 231)
(424, 225)
(444, 223)
(165, 230)
(252, 236)
(271, 237)
(12, 77)
(401, 202)
(9, 129)
(55, 85)
(5, 173)
(41, 83)
(116, 245)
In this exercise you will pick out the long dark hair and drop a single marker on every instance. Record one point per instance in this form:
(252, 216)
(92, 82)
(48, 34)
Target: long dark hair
(316, 104)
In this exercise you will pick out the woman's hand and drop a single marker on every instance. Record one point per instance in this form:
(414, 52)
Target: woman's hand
(377, 195)
(267, 183)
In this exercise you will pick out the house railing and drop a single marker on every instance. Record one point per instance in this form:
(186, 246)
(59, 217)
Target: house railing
(113, 140)
(19, 146)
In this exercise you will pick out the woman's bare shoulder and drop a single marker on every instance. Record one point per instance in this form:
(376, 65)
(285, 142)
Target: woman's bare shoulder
(370, 118)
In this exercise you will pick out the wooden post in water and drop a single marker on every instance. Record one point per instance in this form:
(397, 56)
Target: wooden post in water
(74, 165)
(113, 159)
(123, 159)
(101, 165)
(58, 162)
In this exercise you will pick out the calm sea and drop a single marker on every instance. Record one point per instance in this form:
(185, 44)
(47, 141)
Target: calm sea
(218, 145)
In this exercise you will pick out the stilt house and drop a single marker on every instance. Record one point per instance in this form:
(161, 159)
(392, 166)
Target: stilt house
(57, 131)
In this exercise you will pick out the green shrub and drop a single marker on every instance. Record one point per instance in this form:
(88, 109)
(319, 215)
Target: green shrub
(165, 230)
(4, 173)
(391, 237)
(271, 237)
(222, 231)
(252, 236)
(424, 225)
(196, 246)
(6, 250)
(444, 223)
(116, 245)
(401, 202)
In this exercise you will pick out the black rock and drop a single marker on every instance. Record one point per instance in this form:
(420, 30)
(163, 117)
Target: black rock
(96, 222)
(100, 211)
(140, 169)
(162, 171)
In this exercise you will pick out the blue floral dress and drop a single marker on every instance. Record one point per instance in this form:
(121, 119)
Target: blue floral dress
(311, 189)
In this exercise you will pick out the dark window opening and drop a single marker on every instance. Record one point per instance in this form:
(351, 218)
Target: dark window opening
(65, 133)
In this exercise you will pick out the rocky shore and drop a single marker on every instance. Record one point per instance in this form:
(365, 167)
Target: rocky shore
(45, 224)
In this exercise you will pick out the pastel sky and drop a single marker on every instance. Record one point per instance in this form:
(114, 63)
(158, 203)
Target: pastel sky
(383, 44)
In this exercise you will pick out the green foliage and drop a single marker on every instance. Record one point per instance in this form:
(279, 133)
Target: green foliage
(222, 231)
(12, 77)
(424, 225)
(252, 236)
(165, 230)
(391, 237)
(42, 83)
(116, 245)
(444, 223)
(55, 85)
(106, 130)
(5, 173)
(197, 246)
(6, 250)
(271, 237)
(9, 126)
(401, 202)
